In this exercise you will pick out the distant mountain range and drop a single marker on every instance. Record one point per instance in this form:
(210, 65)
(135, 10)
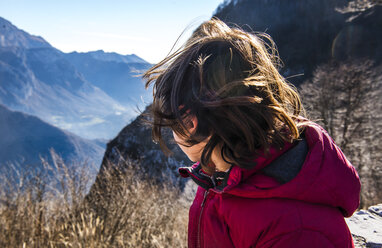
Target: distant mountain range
(25, 139)
(91, 94)
(115, 74)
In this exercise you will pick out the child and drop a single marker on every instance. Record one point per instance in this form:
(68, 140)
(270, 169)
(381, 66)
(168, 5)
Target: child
(267, 176)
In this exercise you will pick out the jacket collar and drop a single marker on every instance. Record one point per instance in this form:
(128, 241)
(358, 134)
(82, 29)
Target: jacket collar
(218, 180)
(224, 181)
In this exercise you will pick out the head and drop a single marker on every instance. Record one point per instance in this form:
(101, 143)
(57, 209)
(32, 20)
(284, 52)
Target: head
(222, 93)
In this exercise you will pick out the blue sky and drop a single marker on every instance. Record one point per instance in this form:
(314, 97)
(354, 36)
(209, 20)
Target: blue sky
(147, 28)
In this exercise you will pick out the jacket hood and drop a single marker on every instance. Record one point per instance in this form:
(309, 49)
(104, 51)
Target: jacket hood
(326, 176)
(315, 171)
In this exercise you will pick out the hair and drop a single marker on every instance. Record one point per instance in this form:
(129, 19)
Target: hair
(228, 79)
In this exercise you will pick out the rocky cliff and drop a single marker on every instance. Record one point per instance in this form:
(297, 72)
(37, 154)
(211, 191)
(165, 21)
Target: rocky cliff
(308, 33)
(134, 142)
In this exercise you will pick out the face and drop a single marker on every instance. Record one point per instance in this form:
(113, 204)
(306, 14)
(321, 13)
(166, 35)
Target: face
(194, 152)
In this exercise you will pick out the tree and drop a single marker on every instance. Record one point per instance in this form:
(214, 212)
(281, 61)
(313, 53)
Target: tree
(345, 99)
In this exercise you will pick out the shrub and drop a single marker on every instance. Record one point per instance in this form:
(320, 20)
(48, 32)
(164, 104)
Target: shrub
(46, 208)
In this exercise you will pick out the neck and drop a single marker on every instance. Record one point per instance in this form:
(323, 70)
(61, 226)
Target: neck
(218, 161)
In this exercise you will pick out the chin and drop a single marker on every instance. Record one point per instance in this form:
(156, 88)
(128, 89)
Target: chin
(193, 159)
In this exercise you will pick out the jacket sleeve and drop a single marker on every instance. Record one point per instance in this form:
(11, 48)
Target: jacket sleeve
(298, 239)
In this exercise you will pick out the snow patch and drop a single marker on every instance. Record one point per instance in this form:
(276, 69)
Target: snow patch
(367, 224)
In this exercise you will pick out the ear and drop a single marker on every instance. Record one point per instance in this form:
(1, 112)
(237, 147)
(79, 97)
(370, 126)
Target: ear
(192, 124)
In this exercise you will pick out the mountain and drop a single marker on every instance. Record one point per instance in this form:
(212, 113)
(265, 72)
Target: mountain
(40, 80)
(12, 36)
(104, 56)
(135, 143)
(26, 138)
(308, 33)
(117, 75)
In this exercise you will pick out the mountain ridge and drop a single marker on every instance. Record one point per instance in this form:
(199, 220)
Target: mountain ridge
(113, 56)
(12, 36)
(40, 80)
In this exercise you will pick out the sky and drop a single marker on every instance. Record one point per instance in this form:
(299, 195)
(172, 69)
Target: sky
(147, 28)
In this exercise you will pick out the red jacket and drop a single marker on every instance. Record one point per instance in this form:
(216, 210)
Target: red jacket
(270, 206)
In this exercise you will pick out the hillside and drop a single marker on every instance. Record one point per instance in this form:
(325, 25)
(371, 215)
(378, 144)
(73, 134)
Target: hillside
(309, 33)
(26, 138)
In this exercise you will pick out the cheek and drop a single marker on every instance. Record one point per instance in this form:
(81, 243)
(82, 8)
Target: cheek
(180, 141)
(176, 137)
(193, 152)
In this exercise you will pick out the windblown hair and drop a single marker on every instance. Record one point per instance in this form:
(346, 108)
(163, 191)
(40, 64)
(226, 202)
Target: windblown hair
(228, 79)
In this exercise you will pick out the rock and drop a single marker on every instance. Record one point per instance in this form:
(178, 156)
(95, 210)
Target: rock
(366, 227)
(134, 146)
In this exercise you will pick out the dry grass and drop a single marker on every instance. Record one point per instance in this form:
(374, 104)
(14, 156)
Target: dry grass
(47, 208)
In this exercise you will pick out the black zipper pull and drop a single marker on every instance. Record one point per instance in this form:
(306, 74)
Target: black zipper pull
(204, 197)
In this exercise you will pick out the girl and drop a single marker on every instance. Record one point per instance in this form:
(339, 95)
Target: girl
(267, 176)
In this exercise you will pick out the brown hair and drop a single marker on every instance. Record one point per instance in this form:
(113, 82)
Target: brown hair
(228, 79)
